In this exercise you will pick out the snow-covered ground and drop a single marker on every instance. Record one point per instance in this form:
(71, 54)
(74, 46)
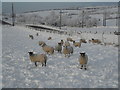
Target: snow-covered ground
(61, 72)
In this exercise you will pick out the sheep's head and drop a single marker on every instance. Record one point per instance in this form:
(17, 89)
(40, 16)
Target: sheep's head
(30, 53)
(73, 41)
(82, 54)
(43, 44)
(65, 46)
(61, 40)
(59, 44)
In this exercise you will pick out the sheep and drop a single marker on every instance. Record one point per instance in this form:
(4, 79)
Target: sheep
(108, 44)
(49, 38)
(37, 34)
(62, 42)
(41, 43)
(31, 36)
(83, 59)
(42, 58)
(67, 50)
(58, 47)
(90, 41)
(96, 41)
(83, 41)
(77, 44)
(66, 43)
(70, 39)
(47, 49)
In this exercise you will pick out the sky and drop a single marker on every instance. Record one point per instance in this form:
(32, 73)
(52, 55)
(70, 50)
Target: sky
(60, 0)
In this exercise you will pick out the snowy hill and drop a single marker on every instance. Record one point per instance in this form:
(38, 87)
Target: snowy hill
(61, 72)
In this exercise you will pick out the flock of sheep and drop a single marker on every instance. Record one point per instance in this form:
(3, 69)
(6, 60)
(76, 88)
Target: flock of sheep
(62, 46)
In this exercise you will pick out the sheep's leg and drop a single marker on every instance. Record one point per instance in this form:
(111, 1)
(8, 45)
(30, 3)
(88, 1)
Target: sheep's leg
(60, 52)
(81, 67)
(36, 64)
(68, 55)
(65, 55)
(45, 62)
(85, 67)
(42, 64)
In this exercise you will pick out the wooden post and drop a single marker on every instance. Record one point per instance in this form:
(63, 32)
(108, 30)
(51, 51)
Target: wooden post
(60, 18)
(83, 19)
(13, 16)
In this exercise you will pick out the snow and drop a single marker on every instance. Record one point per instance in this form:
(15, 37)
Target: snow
(61, 72)
(71, 16)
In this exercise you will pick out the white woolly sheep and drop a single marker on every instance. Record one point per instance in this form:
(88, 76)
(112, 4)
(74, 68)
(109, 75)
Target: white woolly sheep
(77, 44)
(67, 50)
(90, 41)
(62, 42)
(69, 39)
(58, 47)
(66, 43)
(96, 41)
(42, 58)
(83, 60)
(31, 36)
(83, 41)
(48, 49)
(49, 38)
(37, 34)
(41, 43)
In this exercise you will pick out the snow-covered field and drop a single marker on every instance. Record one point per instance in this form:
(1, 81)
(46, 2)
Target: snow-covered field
(61, 72)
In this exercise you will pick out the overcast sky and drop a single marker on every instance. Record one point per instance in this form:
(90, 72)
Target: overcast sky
(60, 0)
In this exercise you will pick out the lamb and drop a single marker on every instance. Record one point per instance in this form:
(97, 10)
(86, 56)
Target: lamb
(31, 36)
(83, 60)
(41, 43)
(67, 50)
(58, 47)
(62, 42)
(77, 44)
(42, 58)
(47, 49)
(49, 38)
(37, 34)
(90, 41)
(66, 43)
(70, 39)
(96, 41)
(83, 41)
(108, 44)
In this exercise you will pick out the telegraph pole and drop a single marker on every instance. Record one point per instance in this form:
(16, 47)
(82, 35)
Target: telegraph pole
(13, 16)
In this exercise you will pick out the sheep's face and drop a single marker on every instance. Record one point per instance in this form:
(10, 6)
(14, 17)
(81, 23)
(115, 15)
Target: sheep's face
(73, 41)
(30, 53)
(59, 44)
(61, 40)
(65, 47)
(82, 54)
